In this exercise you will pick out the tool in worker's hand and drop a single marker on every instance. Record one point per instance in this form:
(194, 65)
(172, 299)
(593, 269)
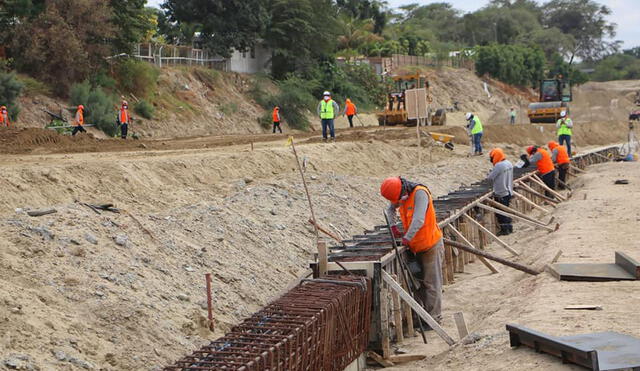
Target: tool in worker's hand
(406, 273)
(360, 121)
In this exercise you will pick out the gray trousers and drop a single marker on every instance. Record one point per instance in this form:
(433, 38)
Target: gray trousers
(431, 290)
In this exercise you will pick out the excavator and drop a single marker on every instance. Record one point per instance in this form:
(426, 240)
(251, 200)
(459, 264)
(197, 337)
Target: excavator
(555, 95)
(395, 112)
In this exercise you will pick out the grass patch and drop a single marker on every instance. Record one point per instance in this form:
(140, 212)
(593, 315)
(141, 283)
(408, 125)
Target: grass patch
(33, 87)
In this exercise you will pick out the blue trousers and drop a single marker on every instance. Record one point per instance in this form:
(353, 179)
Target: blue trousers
(565, 139)
(477, 138)
(328, 123)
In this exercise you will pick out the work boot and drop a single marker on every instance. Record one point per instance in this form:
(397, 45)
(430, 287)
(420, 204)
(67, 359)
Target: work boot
(503, 231)
(333, 139)
(324, 140)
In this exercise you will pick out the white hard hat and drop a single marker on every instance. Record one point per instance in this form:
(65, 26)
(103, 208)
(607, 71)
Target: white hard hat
(326, 93)
(563, 113)
(468, 115)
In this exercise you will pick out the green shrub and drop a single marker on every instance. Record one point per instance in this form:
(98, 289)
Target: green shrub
(514, 64)
(144, 109)
(229, 108)
(34, 87)
(99, 106)
(136, 77)
(10, 90)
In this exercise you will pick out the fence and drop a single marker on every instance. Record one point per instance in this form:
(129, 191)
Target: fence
(458, 61)
(162, 55)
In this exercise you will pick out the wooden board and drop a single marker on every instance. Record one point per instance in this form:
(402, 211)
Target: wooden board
(416, 103)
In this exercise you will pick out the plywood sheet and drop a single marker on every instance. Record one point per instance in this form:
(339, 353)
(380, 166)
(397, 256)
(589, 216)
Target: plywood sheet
(416, 103)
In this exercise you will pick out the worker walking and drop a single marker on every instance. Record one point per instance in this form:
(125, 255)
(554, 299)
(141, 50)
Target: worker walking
(502, 177)
(475, 128)
(4, 117)
(124, 119)
(350, 110)
(542, 160)
(564, 126)
(422, 235)
(512, 116)
(327, 110)
(276, 119)
(560, 157)
(78, 121)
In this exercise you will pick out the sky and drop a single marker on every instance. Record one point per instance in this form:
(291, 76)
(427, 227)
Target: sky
(625, 14)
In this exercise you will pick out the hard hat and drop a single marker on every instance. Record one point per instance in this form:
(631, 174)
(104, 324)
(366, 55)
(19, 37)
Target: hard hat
(81, 107)
(496, 155)
(326, 93)
(468, 115)
(391, 189)
(531, 150)
(124, 103)
(563, 113)
(276, 108)
(552, 145)
(3, 107)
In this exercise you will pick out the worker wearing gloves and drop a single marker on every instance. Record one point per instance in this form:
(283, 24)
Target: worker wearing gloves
(350, 110)
(542, 160)
(564, 126)
(422, 235)
(560, 157)
(276, 119)
(475, 129)
(502, 177)
(327, 110)
(78, 121)
(4, 117)
(124, 119)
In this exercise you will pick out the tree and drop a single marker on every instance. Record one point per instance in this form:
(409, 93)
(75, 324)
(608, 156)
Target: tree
(12, 12)
(10, 89)
(586, 21)
(132, 21)
(513, 64)
(225, 24)
(365, 10)
(617, 67)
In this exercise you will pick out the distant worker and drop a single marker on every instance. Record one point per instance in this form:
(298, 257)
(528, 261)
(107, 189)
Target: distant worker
(422, 235)
(327, 110)
(542, 160)
(350, 110)
(560, 157)
(4, 117)
(78, 121)
(564, 126)
(476, 130)
(276, 119)
(502, 177)
(124, 119)
(512, 116)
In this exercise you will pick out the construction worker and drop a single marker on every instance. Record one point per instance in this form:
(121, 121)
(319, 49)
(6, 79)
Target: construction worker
(350, 110)
(512, 116)
(560, 157)
(422, 235)
(475, 129)
(124, 119)
(4, 117)
(78, 121)
(542, 160)
(327, 110)
(502, 177)
(276, 119)
(564, 126)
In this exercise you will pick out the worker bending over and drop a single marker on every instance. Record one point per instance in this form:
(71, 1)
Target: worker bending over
(542, 160)
(350, 110)
(78, 121)
(4, 117)
(564, 126)
(475, 129)
(422, 235)
(276, 119)
(502, 177)
(124, 119)
(560, 157)
(327, 110)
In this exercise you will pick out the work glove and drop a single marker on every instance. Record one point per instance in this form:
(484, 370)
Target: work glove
(396, 231)
(405, 242)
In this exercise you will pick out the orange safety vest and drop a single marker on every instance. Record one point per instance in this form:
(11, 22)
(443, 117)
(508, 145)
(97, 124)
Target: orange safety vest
(545, 164)
(80, 118)
(4, 119)
(563, 155)
(276, 116)
(123, 116)
(430, 233)
(351, 109)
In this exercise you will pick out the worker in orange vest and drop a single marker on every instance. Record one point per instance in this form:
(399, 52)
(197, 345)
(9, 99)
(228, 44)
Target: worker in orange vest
(350, 110)
(276, 119)
(78, 121)
(422, 235)
(124, 119)
(560, 157)
(4, 117)
(542, 160)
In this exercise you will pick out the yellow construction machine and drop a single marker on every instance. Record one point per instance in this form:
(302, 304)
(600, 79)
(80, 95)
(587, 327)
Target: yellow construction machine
(555, 95)
(395, 112)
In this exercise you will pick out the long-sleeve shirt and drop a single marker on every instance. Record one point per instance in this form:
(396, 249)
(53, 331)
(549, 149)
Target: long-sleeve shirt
(566, 121)
(419, 214)
(554, 155)
(502, 177)
(336, 108)
(535, 158)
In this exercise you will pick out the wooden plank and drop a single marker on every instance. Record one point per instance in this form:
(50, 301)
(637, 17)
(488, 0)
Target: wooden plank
(380, 360)
(493, 236)
(515, 216)
(498, 259)
(556, 257)
(41, 212)
(528, 189)
(628, 264)
(458, 317)
(397, 314)
(530, 203)
(384, 318)
(448, 255)
(546, 188)
(482, 259)
(583, 307)
(393, 285)
(513, 211)
(323, 260)
(408, 314)
(403, 358)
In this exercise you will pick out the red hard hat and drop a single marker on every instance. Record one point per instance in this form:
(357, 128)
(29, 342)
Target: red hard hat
(531, 149)
(391, 189)
(81, 107)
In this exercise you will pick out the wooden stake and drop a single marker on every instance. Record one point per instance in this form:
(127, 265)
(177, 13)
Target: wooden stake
(482, 259)
(531, 203)
(397, 314)
(384, 319)
(402, 358)
(493, 236)
(408, 314)
(458, 317)
(555, 258)
(577, 169)
(380, 360)
(532, 191)
(512, 210)
(516, 216)
(207, 277)
(546, 188)
(323, 259)
(448, 254)
(498, 259)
